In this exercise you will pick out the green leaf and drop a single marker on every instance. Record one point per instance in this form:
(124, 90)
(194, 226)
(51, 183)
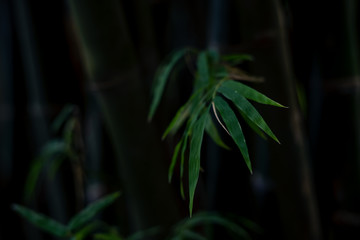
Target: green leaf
(247, 109)
(62, 117)
(160, 79)
(90, 211)
(194, 156)
(253, 126)
(145, 234)
(86, 231)
(178, 120)
(183, 150)
(173, 160)
(43, 222)
(214, 134)
(107, 236)
(213, 218)
(50, 150)
(237, 58)
(233, 126)
(188, 234)
(249, 93)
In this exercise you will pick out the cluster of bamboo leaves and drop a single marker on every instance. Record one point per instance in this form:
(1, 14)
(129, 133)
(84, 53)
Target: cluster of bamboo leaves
(219, 91)
(79, 226)
(55, 151)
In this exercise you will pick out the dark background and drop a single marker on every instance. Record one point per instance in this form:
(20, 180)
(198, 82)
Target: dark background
(101, 56)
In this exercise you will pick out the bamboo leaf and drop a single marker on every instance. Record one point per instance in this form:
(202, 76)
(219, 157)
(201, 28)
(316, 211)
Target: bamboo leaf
(247, 109)
(86, 231)
(51, 149)
(178, 120)
(43, 222)
(90, 211)
(235, 59)
(234, 128)
(161, 78)
(183, 150)
(194, 156)
(249, 93)
(214, 134)
(174, 160)
(253, 126)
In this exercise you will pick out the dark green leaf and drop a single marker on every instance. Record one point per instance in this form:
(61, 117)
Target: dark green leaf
(107, 236)
(62, 117)
(145, 234)
(213, 218)
(237, 58)
(183, 151)
(49, 151)
(173, 160)
(90, 211)
(194, 156)
(160, 79)
(233, 126)
(86, 231)
(253, 126)
(214, 134)
(247, 109)
(43, 222)
(178, 120)
(249, 93)
(188, 234)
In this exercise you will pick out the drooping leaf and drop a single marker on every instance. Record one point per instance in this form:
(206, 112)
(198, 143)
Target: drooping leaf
(62, 117)
(91, 210)
(247, 109)
(253, 126)
(180, 117)
(233, 126)
(43, 222)
(214, 134)
(194, 156)
(161, 78)
(174, 160)
(249, 93)
(183, 151)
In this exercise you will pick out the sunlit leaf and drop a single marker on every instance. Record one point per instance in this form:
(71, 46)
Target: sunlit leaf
(161, 78)
(91, 210)
(43, 222)
(234, 128)
(249, 110)
(194, 156)
(214, 134)
(249, 93)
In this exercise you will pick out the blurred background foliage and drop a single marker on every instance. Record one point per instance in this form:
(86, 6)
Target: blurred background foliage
(99, 57)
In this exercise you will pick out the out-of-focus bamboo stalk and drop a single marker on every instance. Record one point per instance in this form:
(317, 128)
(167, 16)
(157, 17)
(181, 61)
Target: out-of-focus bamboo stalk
(114, 78)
